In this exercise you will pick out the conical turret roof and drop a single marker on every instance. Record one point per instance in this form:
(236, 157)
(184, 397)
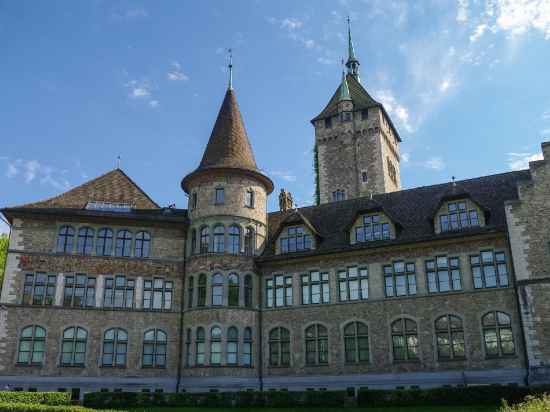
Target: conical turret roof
(228, 147)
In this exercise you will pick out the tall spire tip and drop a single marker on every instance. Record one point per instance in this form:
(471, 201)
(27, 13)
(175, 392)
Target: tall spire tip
(230, 66)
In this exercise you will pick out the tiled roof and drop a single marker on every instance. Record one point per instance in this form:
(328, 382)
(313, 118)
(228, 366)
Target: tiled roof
(114, 186)
(361, 100)
(228, 145)
(413, 209)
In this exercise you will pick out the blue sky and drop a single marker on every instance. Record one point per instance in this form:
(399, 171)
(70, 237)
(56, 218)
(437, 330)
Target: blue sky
(466, 83)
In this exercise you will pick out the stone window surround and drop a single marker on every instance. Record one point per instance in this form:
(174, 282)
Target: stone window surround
(155, 342)
(449, 269)
(496, 264)
(74, 340)
(443, 210)
(317, 341)
(285, 287)
(411, 288)
(100, 290)
(342, 328)
(279, 342)
(515, 339)
(453, 356)
(224, 341)
(408, 359)
(225, 287)
(96, 229)
(383, 219)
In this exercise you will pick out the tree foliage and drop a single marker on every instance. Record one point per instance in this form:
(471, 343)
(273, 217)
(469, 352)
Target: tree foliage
(3, 256)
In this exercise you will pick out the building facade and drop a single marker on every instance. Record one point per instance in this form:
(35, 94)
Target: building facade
(375, 287)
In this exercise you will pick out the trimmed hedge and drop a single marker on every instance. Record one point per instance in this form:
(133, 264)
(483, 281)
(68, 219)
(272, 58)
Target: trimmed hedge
(531, 404)
(36, 407)
(46, 398)
(250, 399)
(468, 395)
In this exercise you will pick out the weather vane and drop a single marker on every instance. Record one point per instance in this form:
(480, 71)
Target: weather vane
(118, 162)
(230, 53)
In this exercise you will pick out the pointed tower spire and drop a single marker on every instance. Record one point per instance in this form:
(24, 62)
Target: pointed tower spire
(352, 64)
(230, 66)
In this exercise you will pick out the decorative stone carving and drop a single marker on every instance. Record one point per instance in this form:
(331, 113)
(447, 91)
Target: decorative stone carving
(285, 200)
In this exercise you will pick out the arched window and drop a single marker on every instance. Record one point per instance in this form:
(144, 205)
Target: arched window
(201, 298)
(232, 345)
(104, 243)
(190, 286)
(450, 337)
(248, 291)
(356, 342)
(233, 291)
(219, 239)
(205, 240)
(123, 243)
(215, 346)
(247, 347)
(154, 349)
(217, 290)
(193, 241)
(199, 347)
(32, 345)
(249, 242)
(404, 339)
(73, 347)
(279, 347)
(497, 334)
(316, 345)
(142, 244)
(115, 347)
(65, 239)
(85, 241)
(234, 246)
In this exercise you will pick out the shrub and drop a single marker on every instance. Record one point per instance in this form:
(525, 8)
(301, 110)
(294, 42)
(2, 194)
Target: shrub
(36, 407)
(248, 399)
(470, 395)
(531, 404)
(47, 398)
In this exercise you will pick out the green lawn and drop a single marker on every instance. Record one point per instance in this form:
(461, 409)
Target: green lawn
(417, 409)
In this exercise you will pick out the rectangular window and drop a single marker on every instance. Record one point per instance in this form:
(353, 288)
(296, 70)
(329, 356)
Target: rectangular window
(39, 289)
(79, 290)
(328, 123)
(194, 200)
(119, 292)
(297, 240)
(364, 114)
(443, 274)
(315, 288)
(400, 279)
(353, 284)
(279, 291)
(489, 270)
(220, 196)
(374, 228)
(458, 217)
(157, 294)
(249, 199)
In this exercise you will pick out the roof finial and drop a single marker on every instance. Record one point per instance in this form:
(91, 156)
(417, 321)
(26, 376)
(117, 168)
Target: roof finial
(118, 158)
(352, 63)
(230, 66)
(344, 89)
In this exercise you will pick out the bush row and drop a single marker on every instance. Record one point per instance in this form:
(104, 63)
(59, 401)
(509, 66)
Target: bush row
(531, 404)
(215, 399)
(468, 395)
(36, 407)
(47, 398)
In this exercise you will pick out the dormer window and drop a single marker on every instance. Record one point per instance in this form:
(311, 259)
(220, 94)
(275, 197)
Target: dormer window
(375, 227)
(458, 216)
(328, 123)
(219, 196)
(338, 195)
(296, 240)
(345, 117)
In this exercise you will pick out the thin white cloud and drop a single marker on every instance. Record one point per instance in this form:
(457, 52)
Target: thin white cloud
(462, 11)
(33, 170)
(405, 157)
(434, 163)
(176, 73)
(325, 60)
(395, 109)
(478, 32)
(285, 175)
(154, 103)
(142, 90)
(546, 115)
(520, 161)
(518, 16)
(291, 24)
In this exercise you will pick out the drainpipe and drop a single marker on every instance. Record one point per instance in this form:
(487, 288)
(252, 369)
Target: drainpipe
(260, 346)
(180, 337)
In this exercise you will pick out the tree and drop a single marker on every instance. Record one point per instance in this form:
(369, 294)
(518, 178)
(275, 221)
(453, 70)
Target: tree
(3, 256)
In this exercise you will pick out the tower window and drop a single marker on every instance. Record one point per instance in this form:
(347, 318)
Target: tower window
(346, 117)
(219, 196)
(194, 200)
(338, 195)
(392, 171)
(249, 198)
(364, 177)
(364, 114)
(328, 122)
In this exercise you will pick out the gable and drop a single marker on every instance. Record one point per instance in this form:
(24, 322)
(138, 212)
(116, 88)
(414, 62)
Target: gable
(112, 187)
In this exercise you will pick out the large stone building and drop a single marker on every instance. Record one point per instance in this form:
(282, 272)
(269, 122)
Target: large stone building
(375, 287)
